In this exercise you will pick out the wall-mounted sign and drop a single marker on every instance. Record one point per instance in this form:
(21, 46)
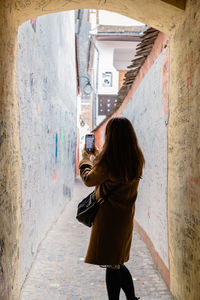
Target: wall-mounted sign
(107, 79)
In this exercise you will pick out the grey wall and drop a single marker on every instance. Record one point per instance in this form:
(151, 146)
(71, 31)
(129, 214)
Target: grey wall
(47, 101)
(82, 35)
(146, 111)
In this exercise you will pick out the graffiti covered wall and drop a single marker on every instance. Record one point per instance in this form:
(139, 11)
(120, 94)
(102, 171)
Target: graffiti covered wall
(147, 112)
(146, 106)
(47, 102)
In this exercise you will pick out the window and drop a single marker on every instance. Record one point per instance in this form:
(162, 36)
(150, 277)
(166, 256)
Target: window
(106, 104)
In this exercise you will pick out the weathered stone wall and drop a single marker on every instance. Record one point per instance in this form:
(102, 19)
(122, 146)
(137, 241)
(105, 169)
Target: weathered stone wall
(47, 102)
(184, 157)
(10, 172)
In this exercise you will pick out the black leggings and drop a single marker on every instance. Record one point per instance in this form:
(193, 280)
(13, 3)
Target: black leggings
(117, 279)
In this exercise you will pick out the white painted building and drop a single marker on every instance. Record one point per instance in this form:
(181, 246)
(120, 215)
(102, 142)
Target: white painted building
(113, 44)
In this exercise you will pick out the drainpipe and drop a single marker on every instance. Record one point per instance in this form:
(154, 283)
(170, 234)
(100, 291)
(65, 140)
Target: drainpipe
(95, 98)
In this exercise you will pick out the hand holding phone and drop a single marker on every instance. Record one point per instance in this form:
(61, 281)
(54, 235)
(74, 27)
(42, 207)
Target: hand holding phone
(89, 143)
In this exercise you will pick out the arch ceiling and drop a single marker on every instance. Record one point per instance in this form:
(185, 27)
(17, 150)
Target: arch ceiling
(163, 15)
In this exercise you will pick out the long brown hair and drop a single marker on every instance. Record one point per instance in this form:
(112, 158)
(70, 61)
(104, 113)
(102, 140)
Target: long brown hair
(121, 152)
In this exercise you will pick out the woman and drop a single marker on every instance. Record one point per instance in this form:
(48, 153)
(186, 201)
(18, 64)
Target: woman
(116, 171)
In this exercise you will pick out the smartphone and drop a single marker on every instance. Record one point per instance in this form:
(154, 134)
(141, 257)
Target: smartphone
(89, 143)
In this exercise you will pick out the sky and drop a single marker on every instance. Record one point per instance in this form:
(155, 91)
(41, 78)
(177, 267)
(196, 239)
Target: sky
(111, 18)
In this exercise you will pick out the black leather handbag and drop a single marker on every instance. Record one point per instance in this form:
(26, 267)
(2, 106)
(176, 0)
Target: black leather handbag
(87, 209)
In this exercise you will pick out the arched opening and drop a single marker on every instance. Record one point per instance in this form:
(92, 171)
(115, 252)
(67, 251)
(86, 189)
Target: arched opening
(47, 96)
(183, 150)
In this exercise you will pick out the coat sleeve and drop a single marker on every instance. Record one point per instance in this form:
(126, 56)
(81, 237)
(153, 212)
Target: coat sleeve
(91, 175)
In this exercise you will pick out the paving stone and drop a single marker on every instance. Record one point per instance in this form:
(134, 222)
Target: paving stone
(59, 271)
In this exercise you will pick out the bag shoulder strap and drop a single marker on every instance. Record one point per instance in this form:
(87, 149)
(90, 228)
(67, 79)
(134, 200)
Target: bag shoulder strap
(109, 193)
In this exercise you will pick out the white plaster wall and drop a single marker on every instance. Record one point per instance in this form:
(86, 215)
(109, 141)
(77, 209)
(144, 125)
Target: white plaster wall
(112, 56)
(47, 103)
(106, 51)
(123, 54)
(146, 112)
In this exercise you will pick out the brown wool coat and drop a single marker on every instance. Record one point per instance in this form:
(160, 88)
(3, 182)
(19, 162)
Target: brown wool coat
(111, 233)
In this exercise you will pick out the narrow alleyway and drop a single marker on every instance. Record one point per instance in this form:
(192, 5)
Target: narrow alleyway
(59, 272)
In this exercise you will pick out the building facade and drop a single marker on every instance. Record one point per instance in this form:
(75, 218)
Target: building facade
(111, 49)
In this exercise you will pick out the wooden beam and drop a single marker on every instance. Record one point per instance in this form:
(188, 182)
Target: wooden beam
(177, 3)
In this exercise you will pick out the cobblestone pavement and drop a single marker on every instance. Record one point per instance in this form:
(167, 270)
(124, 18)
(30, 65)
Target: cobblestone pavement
(59, 272)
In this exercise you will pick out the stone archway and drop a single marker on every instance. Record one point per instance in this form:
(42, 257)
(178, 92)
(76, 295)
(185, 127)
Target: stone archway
(182, 25)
